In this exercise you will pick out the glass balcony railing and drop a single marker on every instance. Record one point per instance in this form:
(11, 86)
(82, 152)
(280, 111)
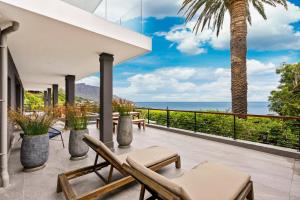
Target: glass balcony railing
(128, 13)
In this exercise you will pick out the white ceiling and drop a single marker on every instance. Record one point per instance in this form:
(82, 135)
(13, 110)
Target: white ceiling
(57, 39)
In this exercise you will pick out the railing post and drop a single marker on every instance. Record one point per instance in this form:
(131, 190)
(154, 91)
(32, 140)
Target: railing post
(195, 122)
(298, 124)
(168, 117)
(148, 116)
(234, 127)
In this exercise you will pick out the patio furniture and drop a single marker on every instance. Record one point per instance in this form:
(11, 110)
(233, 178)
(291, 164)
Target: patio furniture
(115, 116)
(140, 122)
(206, 181)
(152, 157)
(53, 132)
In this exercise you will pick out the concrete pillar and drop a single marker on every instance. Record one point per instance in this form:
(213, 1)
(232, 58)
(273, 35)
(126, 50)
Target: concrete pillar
(11, 27)
(4, 176)
(49, 97)
(45, 99)
(70, 90)
(54, 94)
(106, 94)
(18, 96)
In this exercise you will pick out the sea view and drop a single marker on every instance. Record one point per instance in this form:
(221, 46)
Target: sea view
(253, 107)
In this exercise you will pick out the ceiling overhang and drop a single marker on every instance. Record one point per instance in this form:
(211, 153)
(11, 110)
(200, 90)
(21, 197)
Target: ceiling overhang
(56, 39)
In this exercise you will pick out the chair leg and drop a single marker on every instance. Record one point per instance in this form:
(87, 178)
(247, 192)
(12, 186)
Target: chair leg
(96, 161)
(178, 163)
(250, 195)
(97, 123)
(62, 140)
(142, 193)
(58, 187)
(110, 174)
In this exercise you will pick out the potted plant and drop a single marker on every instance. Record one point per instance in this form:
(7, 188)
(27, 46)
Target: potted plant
(35, 143)
(124, 130)
(77, 123)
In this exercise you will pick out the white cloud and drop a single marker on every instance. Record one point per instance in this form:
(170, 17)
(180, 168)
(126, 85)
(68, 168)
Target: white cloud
(187, 42)
(257, 67)
(198, 84)
(90, 80)
(275, 33)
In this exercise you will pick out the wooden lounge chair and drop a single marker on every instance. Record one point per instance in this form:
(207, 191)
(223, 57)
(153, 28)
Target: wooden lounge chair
(207, 181)
(152, 157)
(139, 122)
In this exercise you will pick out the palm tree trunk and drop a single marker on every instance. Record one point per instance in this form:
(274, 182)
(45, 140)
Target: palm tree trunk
(238, 49)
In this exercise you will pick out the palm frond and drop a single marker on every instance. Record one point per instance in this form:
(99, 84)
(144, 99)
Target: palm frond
(259, 5)
(211, 13)
(248, 13)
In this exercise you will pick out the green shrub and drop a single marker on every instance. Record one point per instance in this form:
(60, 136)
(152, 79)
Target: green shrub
(34, 123)
(76, 117)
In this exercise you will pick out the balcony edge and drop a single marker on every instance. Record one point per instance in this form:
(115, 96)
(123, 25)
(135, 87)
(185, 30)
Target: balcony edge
(279, 151)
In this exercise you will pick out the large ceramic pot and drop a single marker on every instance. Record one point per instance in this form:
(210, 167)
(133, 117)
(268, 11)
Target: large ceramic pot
(124, 135)
(34, 152)
(78, 149)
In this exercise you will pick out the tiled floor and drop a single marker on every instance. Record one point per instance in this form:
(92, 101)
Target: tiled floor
(275, 177)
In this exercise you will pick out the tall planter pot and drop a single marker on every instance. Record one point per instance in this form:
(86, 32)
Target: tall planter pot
(34, 152)
(78, 149)
(124, 135)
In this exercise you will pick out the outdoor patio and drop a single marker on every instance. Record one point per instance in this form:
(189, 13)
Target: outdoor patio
(275, 177)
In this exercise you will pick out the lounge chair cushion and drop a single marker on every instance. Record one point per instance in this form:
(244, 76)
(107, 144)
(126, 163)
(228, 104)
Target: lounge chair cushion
(148, 156)
(207, 181)
(212, 181)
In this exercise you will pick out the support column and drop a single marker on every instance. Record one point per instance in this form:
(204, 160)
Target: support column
(70, 90)
(106, 94)
(55, 94)
(22, 101)
(49, 97)
(45, 99)
(4, 176)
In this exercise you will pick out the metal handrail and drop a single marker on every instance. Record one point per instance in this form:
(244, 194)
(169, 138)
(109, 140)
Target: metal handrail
(234, 115)
(227, 113)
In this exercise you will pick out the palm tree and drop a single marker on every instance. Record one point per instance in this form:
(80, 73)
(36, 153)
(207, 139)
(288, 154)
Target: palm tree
(211, 13)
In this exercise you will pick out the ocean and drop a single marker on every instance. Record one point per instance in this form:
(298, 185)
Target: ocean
(260, 108)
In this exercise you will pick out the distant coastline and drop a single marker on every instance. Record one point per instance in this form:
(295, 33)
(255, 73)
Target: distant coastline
(253, 107)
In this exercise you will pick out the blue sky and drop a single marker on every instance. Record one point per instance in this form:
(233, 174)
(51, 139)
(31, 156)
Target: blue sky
(187, 67)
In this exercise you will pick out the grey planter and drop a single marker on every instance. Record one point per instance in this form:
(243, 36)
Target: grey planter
(124, 135)
(34, 152)
(78, 149)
